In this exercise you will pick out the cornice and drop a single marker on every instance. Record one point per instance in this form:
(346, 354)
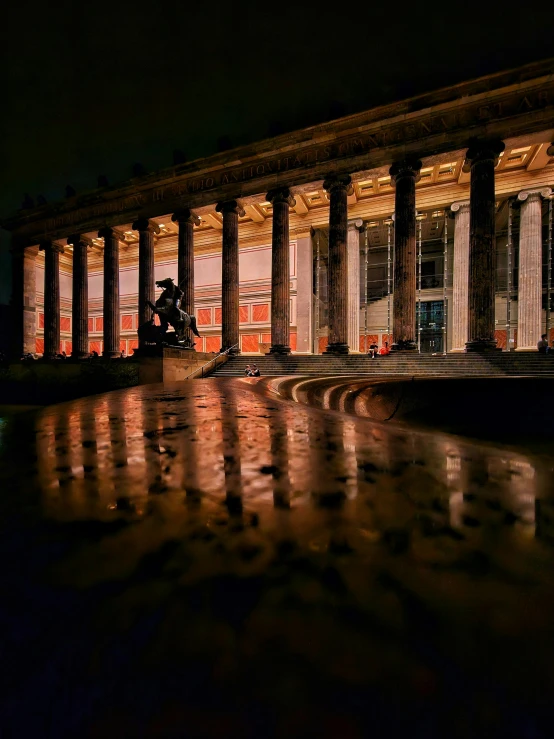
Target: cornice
(501, 105)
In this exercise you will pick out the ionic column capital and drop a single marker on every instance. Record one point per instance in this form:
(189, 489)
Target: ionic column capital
(481, 151)
(405, 168)
(460, 206)
(531, 195)
(230, 206)
(52, 247)
(281, 195)
(338, 182)
(107, 232)
(355, 225)
(143, 224)
(79, 240)
(185, 216)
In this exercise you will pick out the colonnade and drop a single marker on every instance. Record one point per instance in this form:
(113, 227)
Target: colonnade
(474, 267)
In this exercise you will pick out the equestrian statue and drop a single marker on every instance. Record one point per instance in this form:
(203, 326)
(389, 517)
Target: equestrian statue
(168, 308)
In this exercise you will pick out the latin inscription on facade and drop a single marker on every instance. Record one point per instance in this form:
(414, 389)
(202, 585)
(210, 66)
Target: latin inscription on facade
(384, 135)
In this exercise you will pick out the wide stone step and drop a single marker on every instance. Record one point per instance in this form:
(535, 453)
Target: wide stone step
(450, 365)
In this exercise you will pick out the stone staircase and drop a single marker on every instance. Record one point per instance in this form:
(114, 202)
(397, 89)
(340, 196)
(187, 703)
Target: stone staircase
(419, 365)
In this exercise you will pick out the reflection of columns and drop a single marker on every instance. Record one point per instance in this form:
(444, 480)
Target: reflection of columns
(279, 458)
(304, 292)
(230, 274)
(146, 287)
(24, 317)
(338, 187)
(354, 284)
(482, 159)
(404, 176)
(112, 318)
(461, 276)
(79, 303)
(51, 298)
(529, 303)
(231, 454)
(185, 257)
(281, 200)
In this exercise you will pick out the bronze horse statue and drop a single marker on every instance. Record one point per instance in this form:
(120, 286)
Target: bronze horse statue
(168, 308)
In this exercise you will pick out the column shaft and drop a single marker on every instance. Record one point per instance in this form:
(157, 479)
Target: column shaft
(280, 271)
(185, 257)
(339, 188)
(146, 286)
(354, 285)
(304, 293)
(24, 321)
(230, 275)
(51, 299)
(482, 246)
(404, 176)
(461, 276)
(112, 318)
(529, 303)
(79, 304)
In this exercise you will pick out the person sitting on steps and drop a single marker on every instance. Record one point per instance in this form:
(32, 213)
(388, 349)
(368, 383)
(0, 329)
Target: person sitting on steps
(384, 350)
(372, 351)
(542, 345)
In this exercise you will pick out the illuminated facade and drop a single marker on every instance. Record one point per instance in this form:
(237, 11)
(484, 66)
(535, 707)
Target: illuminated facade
(427, 221)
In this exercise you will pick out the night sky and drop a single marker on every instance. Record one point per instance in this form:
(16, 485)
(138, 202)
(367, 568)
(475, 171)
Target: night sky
(90, 88)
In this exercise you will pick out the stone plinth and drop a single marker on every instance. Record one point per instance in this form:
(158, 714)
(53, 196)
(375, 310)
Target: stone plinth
(173, 365)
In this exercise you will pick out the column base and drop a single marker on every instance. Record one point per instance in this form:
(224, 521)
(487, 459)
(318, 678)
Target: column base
(482, 345)
(111, 355)
(338, 348)
(527, 349)
(280, 349)
(77, 356)
(232, 352)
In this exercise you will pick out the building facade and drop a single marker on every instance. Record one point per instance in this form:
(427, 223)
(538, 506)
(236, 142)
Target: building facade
(426, 222)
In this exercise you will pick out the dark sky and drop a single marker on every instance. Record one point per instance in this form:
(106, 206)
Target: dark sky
(91, 87)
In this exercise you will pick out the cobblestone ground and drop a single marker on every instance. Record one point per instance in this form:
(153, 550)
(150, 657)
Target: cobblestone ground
(208, 560)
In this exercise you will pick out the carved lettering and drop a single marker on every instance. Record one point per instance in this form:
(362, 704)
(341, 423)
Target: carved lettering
(525, 104)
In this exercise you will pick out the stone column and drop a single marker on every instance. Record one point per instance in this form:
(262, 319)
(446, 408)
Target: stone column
(338, 187)
(404, 176)
(112, 318)
(461, 276)
(354, 284)
(482, 159)
(280, 270)
(23, 303)
(529, 301)
(230, 275)
(79, 304)
(304, 291)
(146, 288)
(185, 257)
(52, 253)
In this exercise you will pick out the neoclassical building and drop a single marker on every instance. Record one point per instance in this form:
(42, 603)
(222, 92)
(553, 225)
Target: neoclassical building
(427, 221)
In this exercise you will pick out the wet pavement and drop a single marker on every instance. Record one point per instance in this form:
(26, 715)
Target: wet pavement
(207, 559)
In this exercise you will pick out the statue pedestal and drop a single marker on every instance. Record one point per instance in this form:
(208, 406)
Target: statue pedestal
(168, 363)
